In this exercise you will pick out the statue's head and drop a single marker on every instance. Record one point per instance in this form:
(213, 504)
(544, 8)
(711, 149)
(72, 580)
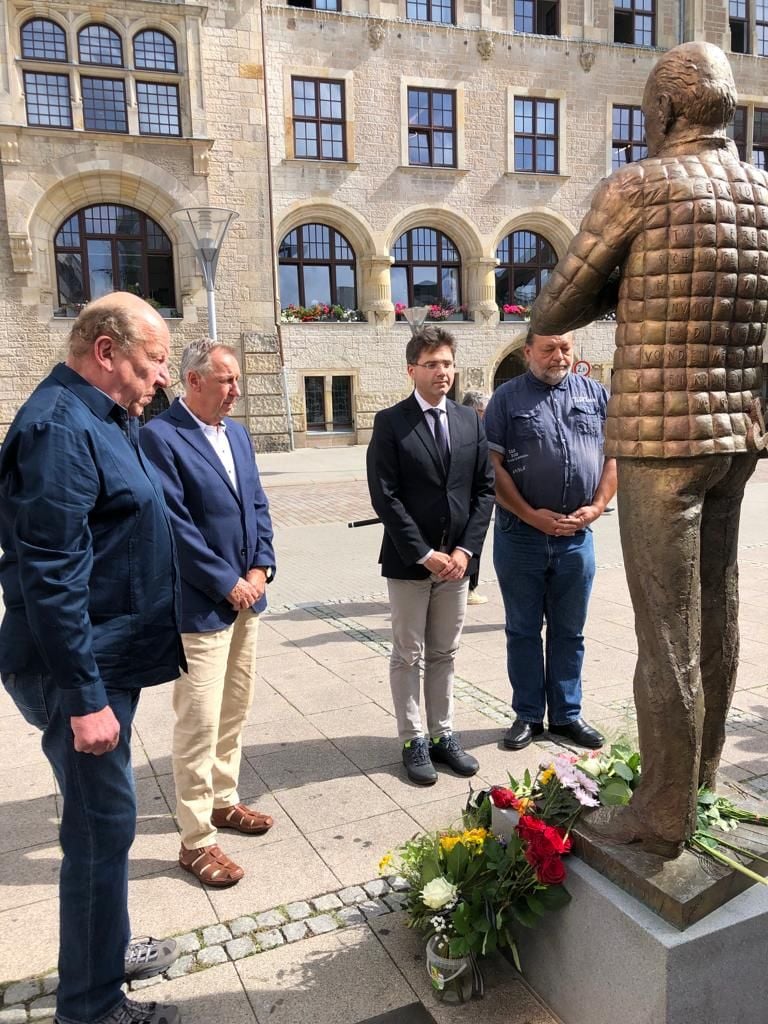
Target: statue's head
(690, 92)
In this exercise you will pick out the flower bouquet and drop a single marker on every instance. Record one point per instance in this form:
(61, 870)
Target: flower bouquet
(469, 888)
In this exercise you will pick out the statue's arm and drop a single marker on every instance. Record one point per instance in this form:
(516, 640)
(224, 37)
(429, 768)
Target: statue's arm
(585, 283)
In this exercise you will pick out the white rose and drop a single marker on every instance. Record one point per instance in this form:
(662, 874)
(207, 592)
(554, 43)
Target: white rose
(439, 893)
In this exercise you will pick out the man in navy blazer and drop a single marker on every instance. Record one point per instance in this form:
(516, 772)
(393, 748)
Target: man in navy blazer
(223, 532)
(432, 486)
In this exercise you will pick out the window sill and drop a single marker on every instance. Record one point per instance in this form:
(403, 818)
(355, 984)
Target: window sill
(447, 172)
(347, 165)
(537, 175)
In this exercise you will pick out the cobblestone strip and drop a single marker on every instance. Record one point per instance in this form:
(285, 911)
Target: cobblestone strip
(33, 999)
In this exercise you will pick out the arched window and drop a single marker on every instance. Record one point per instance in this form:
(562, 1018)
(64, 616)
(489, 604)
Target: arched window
(317, 268)
(154, 51)
(98, 44)
(427, 272)
(42, 39)
(525, 262)
(111, 248)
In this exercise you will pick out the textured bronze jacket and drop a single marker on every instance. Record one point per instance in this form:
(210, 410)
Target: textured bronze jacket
(689, 230)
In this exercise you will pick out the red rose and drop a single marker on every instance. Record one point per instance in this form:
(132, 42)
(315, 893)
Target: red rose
(503, 797)
(555, 836)
(551, 872)
(538, 848)
(528, 826)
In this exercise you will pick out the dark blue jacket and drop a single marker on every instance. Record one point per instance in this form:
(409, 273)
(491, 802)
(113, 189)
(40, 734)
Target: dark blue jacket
(88, 571)
(220, 534)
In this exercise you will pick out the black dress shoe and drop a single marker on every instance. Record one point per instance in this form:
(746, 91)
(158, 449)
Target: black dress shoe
(521, 733)
(449, 751)
(578, 732)
(417, 762)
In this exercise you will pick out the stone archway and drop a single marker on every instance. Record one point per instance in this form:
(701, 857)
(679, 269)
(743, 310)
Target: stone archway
(512, 365)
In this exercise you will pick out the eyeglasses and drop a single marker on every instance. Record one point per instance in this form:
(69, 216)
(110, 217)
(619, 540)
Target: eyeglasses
(436, 365)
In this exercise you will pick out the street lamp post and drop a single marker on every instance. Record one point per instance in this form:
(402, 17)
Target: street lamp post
(205, 227)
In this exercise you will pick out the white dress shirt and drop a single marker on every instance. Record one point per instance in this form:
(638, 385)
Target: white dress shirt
(218, 440)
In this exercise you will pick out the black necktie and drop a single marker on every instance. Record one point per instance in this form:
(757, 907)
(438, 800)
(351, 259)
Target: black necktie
(441, 437)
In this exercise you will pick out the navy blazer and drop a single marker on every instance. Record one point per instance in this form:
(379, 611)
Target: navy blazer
(220, 534)
(88, 571)
(420, 505)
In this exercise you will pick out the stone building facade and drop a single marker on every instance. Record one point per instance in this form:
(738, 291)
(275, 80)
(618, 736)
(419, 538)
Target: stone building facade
(368, 150)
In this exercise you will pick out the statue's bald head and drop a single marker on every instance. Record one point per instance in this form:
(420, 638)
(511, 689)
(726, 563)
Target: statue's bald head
(690, 87)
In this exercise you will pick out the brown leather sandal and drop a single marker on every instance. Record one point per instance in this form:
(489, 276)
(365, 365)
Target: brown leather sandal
(211, 866)
(242, 819)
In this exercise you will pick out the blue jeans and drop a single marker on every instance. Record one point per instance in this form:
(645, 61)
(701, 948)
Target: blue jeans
(98, 823)
(543, 577)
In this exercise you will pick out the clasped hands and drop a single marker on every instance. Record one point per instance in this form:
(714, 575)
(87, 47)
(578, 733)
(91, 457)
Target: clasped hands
(247, 591)
(448, 567)
(558, 525)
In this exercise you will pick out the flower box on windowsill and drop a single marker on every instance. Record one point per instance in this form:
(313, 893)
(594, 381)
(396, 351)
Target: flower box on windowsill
(320, 314)
(72, 310)
(437, 313)
(515, 313)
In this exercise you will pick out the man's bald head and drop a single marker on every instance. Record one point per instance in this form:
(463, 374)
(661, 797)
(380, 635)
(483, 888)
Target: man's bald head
(690, 88)
(120, 315)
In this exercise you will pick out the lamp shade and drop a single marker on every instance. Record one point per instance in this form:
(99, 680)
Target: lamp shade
(205, 228)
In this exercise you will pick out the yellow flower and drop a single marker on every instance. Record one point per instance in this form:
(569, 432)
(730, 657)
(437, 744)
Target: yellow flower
(524, 804)
(546, 775)
(385, 863)
(447, 843)
(474, 837)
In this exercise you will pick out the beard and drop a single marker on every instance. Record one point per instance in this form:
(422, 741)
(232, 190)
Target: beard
(551, 376)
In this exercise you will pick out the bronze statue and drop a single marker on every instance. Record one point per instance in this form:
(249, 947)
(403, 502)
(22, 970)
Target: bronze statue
(678, 244)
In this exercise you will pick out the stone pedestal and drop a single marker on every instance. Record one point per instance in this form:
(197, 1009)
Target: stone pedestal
(607, 958)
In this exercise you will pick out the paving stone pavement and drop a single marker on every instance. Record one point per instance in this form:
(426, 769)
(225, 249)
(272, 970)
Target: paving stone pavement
(311, 929)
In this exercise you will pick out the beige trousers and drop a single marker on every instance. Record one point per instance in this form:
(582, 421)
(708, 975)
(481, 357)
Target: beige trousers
(211, 700)
(427, 617)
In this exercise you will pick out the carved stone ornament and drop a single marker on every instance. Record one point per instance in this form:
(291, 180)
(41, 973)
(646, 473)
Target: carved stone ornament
(376, 34)
(587, 59)
(21, 253)
(485, 45)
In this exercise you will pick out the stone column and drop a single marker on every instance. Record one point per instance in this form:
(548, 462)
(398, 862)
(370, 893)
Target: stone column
(376, 298)
(482, 289)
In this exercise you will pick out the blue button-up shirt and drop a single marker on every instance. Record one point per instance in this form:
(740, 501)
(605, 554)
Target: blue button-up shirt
(551, 438)
(88, 571)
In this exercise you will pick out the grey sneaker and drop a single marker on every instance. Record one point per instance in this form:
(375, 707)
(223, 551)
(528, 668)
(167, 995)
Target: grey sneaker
(417, 762)
(448, 750)
(131, 1012)
(145, 957)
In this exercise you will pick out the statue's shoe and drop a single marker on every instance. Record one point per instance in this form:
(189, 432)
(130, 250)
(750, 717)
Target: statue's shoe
(622, 825)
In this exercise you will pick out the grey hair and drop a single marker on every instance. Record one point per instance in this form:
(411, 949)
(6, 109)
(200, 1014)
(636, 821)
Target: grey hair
(475, 399)
(196, 357)
(96, 319)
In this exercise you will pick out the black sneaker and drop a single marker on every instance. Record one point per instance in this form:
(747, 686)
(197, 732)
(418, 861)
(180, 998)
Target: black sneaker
(145, 957)
(131, 1012)
(417, 763)
(448, 750)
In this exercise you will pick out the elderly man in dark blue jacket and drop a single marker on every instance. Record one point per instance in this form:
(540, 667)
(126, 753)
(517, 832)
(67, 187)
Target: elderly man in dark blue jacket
(90, 585)
(223, 532)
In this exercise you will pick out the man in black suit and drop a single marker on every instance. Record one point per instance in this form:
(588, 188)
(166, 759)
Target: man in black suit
(432, 487)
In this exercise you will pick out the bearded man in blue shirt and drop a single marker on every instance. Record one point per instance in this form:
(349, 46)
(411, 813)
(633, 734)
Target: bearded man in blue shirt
(545, 437)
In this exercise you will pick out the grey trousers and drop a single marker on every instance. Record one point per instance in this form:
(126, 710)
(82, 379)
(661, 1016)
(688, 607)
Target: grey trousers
(679, 521)
(427, 617)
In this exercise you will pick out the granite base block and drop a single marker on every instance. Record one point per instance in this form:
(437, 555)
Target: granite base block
(607, 958)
